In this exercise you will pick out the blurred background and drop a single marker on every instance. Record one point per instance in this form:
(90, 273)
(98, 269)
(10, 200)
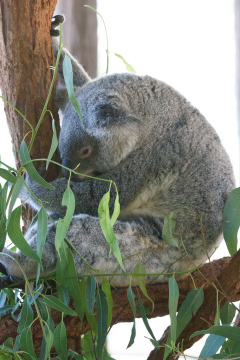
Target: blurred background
(191, 45)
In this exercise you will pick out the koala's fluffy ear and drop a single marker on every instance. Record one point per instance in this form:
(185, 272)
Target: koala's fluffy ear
(61, 96)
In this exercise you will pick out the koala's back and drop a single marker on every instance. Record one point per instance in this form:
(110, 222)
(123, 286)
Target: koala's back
(177, 162)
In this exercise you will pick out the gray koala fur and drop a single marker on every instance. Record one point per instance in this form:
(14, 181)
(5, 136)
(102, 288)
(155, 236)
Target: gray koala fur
(163, 156)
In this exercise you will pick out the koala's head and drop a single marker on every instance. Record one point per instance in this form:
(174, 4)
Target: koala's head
(108, 136)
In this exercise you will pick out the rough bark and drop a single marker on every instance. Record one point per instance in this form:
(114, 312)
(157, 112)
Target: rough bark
(25, 78)
(224, 272)
(80, 32)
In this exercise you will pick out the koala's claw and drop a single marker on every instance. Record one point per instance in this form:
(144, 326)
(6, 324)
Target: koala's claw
(58, 19)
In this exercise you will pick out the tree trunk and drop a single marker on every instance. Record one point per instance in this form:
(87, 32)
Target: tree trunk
(80, 32)
(25, 57)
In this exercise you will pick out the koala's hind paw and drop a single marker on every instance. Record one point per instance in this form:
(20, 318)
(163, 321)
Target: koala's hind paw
(58, 19)
(7, 280)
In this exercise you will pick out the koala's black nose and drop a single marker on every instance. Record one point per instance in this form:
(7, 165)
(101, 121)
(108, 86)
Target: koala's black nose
(69, 164)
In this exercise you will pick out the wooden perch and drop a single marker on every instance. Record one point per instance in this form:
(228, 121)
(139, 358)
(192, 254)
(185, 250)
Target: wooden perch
(223, 273)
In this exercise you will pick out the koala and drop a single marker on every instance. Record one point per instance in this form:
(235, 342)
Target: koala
(163, 156)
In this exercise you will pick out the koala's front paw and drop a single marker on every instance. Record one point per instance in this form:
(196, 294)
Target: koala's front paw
(58, 19)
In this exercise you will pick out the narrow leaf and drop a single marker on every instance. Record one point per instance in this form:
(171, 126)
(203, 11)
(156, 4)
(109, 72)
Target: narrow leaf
(60, 341)
(58, 305)
(18, 184)
(172, 305)
(90, 293)
(140, 279)
(212, 344)
(15, 234)
(26, 160)
(131, 299)
(231, 220)
(128, 66)
(102, 318)
(27, 344)
(232, 333)
(42, 227)
(90, 318)
(68, 78)
(106, 226)
(47, 341)
(54, 144)
(144, 317)
(116, 210)
(26, 316)
(5, 174)
(63, 224)
(107, 290)
(168, 230)
(227, 313)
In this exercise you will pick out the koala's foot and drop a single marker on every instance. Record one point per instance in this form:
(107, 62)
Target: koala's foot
(58, 19)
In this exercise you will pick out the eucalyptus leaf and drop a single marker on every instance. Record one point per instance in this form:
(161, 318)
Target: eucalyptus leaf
(58, 305)
(102, 320)
(140, 279)
(106, 226)
(60, 341)
(172, 305)
(5, 174)
(68, 200)
(54, 144)
(18, 184)
(227, 313)
(131, 299)
(90, 293)
(42, 227)
(144, 317)
(128, 66)
(90, 318)
(27, 162)
(107, 290)
(26, 343)
(16, 236)
(47, 341)
(231, 220)
(232, 333)
(26, 316)
(168, 229)
(68, 78)
(212, 344)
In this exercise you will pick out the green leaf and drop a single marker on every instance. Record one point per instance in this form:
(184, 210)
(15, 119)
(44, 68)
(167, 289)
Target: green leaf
(155, 343)
(168, 229)
(42, 227)
(15, 234)
(102, 319)
(90, 318)
(47, 341)
(18, 184)
(189, 308)
(128, 66)
(232, 333)
(68, 78)
(131, 299)
(27, 344)
(231, 220)
(58, 305)
(172, 305)
(45, 311)
(54, 144)
(73, 285)
(227, 313)
(26, 316)
(140, 279)
(116, 210)
(5, 174)
(144, 317)
(68, 200)
(90, 293)
(60, 341)
(212, 345)
(26, 160)
(74, 355)
(106, 226)
(3, 233)
(107, 290)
